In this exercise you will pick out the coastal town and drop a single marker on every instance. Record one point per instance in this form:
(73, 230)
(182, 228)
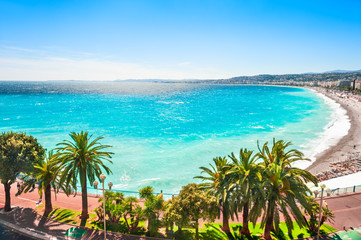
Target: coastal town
(180, 120)
(338, 168)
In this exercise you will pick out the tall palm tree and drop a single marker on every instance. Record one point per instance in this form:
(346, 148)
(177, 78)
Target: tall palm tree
(46, 176)
(82, 158)
(216, 185)
(285, 186)
(245, 180)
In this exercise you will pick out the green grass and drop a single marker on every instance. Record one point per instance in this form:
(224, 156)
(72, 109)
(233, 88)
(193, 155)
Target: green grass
(68, 216)
(72, 217)
(208, 231)
(212, 231)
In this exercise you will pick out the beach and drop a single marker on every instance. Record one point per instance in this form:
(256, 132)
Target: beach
(350, 143)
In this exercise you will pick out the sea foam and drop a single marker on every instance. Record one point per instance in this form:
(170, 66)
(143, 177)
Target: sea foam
(337, 128)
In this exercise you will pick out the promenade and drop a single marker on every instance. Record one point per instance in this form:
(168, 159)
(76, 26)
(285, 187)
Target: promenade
(26, 220)
(347, 209)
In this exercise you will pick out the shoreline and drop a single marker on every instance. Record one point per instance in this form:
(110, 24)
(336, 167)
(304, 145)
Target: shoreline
(345, 145)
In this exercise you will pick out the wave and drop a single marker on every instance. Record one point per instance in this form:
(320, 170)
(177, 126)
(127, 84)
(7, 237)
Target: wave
(258, 127)
(148, 179)
(337, 128)
(170, 102)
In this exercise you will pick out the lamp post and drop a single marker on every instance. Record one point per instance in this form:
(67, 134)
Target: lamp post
(102, 178)
(316, 192)
(328, 191)
(323, 186)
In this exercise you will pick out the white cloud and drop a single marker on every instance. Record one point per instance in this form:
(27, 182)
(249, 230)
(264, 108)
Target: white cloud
(57, 63)
(60, 68)
(20, 49)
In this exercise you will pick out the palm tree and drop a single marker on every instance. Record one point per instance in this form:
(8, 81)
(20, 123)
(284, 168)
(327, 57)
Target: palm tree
(82, 158)
(313, 213)
(245, 180)
(285, 186)
(153, 206)
(217, 185)
(46, 176)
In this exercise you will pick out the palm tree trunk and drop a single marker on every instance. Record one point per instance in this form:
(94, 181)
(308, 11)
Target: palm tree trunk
(269, 221)
(245, 229)
(84, 196)
(7, 187)
(197, 231)
(225, 222)
(48, 205)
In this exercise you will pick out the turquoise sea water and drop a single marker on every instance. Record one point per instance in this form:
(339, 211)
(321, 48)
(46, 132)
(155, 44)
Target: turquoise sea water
(162, 133)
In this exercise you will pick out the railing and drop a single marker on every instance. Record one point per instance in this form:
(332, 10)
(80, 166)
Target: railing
(339, 191)
(130, 193)
(126, 193)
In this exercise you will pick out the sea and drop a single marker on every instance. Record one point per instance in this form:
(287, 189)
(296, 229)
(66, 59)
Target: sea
(162, 132)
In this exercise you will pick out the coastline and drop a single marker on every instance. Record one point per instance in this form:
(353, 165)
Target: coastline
(339, 150)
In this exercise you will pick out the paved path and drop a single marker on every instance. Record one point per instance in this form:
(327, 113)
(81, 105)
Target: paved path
(30, 199)
(347, 208)
(27, 221)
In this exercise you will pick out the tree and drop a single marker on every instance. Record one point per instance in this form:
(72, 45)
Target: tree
(18, 153)
(217, 185)
(46, 175)
(169, 217)
(133, 214)
(146, 192)
(152, 207)
(195, 204)
(285, 186)
(113, 206)
(175, 214)
(245, 181)
(118, 206)
(313, 213)
(82, 158)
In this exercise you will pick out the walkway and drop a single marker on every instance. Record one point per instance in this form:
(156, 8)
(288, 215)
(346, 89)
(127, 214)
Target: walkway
(30, 199)
(27, 221)
(347, 209)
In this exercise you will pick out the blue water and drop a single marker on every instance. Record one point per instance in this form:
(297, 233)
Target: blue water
(162, 133)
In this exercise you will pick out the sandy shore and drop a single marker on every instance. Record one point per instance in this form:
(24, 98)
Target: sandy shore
(346, 144)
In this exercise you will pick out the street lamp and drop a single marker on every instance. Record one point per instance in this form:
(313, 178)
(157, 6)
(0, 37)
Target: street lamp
(323, 186)
(102, 178)
(328, 191)
(316, 192)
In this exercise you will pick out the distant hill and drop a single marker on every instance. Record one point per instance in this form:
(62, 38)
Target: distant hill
(334, 75)
(342, 71)
(305, 77)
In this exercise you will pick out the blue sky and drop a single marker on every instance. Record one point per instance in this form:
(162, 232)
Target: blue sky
(176, 39)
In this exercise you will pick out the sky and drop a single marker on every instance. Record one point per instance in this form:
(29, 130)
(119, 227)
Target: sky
(176, 39)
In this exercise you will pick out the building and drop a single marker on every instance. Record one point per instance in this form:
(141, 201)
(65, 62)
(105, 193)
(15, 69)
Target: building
(357, 84)
(345, 83)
